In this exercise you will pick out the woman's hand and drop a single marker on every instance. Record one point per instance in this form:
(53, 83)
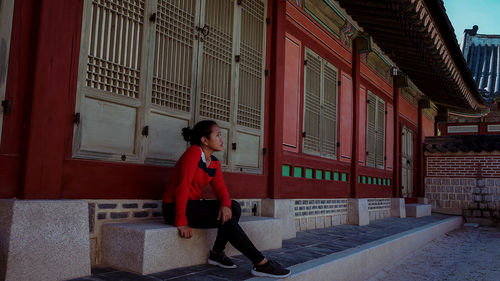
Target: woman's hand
(185, 231)
(225, 214)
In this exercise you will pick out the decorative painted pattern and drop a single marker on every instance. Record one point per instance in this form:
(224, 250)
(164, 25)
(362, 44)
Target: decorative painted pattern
(311, 173)
(379, 208)
(374, 180)
(319, 213)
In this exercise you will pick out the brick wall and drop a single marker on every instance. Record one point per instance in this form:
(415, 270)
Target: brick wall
(464, 183)
(464, 166)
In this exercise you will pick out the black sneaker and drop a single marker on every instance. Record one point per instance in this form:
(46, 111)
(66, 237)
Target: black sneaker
(270, 269)
(221, 260)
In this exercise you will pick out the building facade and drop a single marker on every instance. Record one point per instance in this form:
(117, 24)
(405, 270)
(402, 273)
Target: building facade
(320, 102)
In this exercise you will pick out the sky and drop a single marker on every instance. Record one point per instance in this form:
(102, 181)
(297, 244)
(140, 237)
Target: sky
(464, 14)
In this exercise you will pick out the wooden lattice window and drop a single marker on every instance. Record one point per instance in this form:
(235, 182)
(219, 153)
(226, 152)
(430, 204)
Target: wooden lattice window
(150, 68)
(320, 107)
(6, 15)
(375, 131)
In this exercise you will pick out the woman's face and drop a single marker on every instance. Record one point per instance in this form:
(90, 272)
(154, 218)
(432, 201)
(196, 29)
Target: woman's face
(215, 141)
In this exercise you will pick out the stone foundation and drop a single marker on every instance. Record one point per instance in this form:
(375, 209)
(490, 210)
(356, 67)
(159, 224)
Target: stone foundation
(472, 197)
(114, 211)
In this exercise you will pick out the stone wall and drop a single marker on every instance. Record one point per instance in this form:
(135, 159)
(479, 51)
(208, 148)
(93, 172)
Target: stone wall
(467, 184)
(111, 211)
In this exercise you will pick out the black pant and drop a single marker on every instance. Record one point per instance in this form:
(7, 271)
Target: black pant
(204, 213)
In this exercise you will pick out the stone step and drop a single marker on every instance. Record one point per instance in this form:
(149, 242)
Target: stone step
(362, 262)
(153, 246)
(418, 210)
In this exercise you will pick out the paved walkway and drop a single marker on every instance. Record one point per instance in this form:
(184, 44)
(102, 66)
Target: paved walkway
(308, 245)
(468, 253)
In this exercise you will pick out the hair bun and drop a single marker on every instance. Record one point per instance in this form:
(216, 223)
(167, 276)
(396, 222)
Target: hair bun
(187, 133)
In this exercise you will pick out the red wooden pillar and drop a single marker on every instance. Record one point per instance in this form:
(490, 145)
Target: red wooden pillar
(278, 21)
(396, 188)
(52, 104)
(420, 153)
(356, 120)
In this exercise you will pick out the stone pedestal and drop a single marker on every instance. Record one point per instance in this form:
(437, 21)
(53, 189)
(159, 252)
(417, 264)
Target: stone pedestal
(418, 210)
(398, 208)
(423, 200)
(44, 239)
(357, 212)
(283, 210)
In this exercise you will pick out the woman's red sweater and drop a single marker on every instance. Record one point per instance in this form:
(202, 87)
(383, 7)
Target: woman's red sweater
(190, 175)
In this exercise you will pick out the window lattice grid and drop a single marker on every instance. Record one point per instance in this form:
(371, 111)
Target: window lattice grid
(378, 204)
(370, 130)
(380, 136)
(215, 101)
(319, 207)
(250, 73)
(114, 51)
(329, 136)
(172, 71)
(312, 105)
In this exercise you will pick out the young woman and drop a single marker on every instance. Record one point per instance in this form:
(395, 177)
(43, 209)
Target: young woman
(183, 208)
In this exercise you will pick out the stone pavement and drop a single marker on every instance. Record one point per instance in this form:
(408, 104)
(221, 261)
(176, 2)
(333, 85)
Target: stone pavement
(467, 253)
(307, 246)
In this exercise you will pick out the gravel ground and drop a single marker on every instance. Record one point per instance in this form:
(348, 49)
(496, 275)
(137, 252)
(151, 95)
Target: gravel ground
(467, 253)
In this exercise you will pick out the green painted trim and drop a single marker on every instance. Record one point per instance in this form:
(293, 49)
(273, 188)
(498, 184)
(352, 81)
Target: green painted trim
(344, 177)
(359, 179)
(309, 173)
(363, 180)
(285, 170)
(334, 9)
(336, 176)
(385, 181)
(319, 174)
(369, 180)
(464, 114)
(382, 57)
(388, 182)
(322, 24)
(297, 172)
(328, 175)
(379, 181)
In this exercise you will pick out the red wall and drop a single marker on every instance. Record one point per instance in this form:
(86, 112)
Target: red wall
(38, 134)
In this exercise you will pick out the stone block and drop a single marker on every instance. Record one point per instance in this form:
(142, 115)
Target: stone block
(490, 182)
(311, 223)
(398, 208)
(467, 213)
(44, 239)
(476, 213)
(357, 211)
(458, 189)
(328, 221)
(463, 181)
(472, 182)
(418, 210)
(282, 209)
(455, 181)
(320, 222)
(423, 200)
(436, 181)
(497, 182)
(152, 246)
(336, 220)
(481, 182)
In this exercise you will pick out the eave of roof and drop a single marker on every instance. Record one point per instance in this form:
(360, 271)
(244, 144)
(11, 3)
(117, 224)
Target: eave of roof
(418, 37)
